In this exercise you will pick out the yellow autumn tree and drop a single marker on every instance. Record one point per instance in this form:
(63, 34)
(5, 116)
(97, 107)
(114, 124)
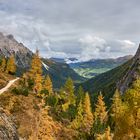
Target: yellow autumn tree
(87, 114)
(107, 135)
(132, 99)
(100, 111)
(47, 85)
(35, 72)
(3, 65)
(11, 65)
(100, 116)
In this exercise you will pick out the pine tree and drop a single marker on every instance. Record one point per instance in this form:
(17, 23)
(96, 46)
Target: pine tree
(11, 66)
(47, 85)
(87, 114)
(3, 65)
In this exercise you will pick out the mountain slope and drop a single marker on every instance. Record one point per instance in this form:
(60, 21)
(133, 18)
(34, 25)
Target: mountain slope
(95, 67)
(59, 71)
(120, 77)
(106, 82)
(132, 74)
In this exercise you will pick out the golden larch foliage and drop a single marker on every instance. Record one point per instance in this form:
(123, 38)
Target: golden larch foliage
(11, 65)
(47, 85)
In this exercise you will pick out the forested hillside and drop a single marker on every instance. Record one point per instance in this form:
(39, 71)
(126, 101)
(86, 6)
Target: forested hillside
(39, 112)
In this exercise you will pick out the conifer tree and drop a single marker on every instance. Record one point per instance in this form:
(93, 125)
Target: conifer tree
(36, 65)
(11, 66)
(87, 114)
(107, 134)
(77, 123)
(47, 85)
(38, 83)
(80, 94)
(100, 116)
(3, 65)
(100, 111)
(35, 72)
(117, 109)
(69, 91)
(132, 99)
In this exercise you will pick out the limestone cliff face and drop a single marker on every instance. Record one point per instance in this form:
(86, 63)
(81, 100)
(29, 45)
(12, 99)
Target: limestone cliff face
(8, 46)
(132, 74)
(7, 127)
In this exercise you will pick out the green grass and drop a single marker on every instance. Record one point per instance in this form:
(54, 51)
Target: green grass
(90, 72)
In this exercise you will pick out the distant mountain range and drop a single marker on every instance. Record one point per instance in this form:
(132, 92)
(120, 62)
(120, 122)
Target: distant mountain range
(94, 67)
(59, 72)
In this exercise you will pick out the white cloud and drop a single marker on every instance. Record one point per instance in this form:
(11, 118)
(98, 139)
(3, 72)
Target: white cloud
(62, 40)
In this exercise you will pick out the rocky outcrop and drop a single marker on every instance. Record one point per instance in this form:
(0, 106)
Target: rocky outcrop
(7, 127)
(132, 74)
(8, 46)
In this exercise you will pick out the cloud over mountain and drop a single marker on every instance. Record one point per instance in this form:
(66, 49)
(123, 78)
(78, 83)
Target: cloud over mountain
(81, 29)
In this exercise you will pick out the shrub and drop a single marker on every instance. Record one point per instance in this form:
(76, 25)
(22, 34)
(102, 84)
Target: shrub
(52, 101)
(21, 91)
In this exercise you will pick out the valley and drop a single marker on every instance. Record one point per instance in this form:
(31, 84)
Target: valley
(50, 101)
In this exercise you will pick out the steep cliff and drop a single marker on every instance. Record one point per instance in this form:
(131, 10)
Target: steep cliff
(132, 74)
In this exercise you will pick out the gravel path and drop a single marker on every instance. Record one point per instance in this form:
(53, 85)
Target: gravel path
(8, 86)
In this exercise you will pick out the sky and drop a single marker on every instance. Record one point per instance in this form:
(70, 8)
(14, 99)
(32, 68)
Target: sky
(83, 29)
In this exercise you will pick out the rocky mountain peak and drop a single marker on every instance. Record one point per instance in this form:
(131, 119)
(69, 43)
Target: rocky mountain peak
(9, 46)
(132, 74)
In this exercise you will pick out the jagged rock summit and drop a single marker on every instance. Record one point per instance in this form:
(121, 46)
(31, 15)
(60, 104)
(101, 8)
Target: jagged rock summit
(132, 74)
(8, 46)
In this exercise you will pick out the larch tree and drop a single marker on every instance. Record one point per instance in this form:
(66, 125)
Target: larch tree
(132, 99)
(107, 135)
(87, 114)
(3, 65)
(100, 116)
(11, 65)
(69, 94)
(77, 123)
(35, 72)
(80, 94)
(47, 85)
(117, 109)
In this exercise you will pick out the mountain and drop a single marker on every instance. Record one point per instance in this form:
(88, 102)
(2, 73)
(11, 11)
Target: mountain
(120, 78)
(59, 72)
(132, 74)
(95, 67)
(8, 46)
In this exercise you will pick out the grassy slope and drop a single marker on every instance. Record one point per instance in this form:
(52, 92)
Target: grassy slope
(4, 79)
(106, 82)
(28, 112)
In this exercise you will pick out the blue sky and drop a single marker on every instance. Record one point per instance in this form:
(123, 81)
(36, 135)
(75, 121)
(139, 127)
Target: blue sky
(84, 29)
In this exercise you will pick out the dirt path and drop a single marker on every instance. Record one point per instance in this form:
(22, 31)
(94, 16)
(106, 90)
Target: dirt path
(8, 86)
